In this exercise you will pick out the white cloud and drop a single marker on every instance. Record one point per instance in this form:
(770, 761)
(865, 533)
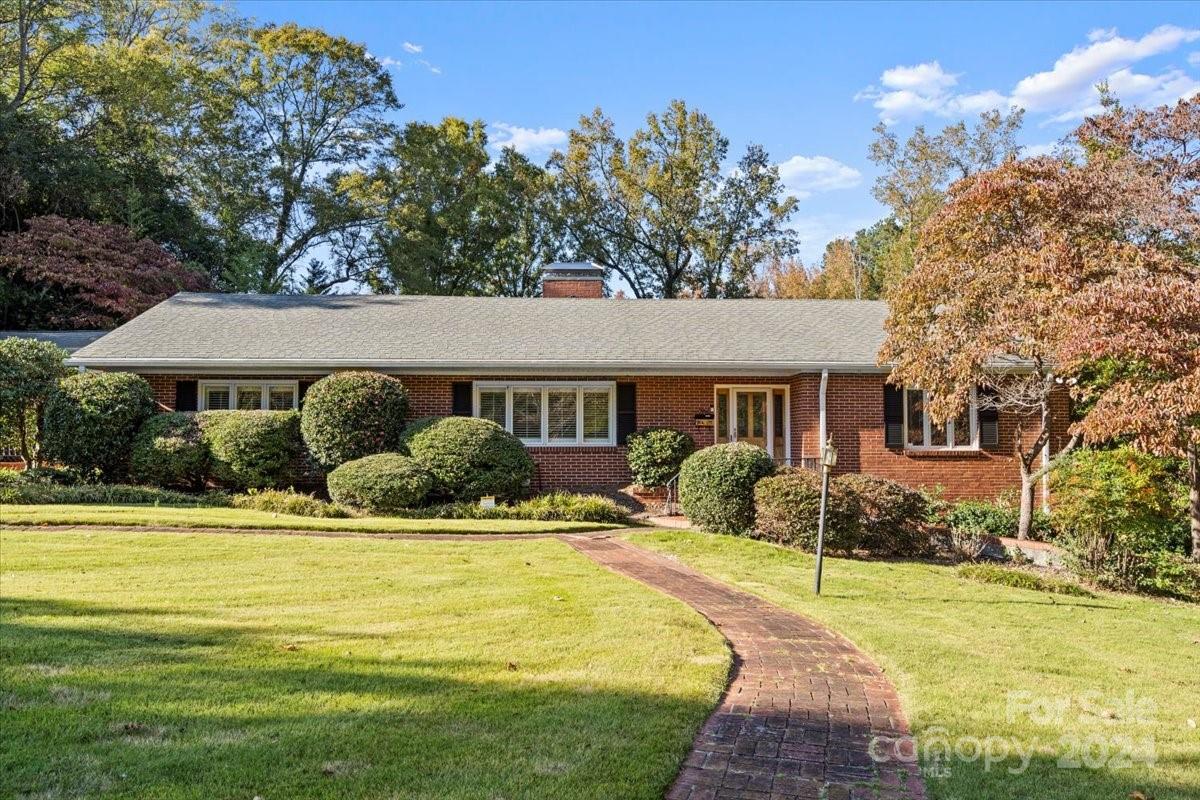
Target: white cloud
(1066, 92)
(805, 175)
(435, 70)
(1075, 73)
(388, 62)
(409, 47)
(526, 141)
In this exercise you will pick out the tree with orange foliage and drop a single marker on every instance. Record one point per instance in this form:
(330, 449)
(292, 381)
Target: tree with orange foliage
(1023, 280)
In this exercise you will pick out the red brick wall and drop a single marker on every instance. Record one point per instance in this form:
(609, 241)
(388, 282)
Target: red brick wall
(584, 287)
(855, 420)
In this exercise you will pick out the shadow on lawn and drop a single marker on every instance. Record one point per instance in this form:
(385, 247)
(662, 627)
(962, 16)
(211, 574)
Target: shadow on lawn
(119, 709)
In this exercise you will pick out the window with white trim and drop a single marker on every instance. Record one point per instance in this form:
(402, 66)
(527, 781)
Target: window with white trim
(563, 413)
(921, 433)
(248, 395)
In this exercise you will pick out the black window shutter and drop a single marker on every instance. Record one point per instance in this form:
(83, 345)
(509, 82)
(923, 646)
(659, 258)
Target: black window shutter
(989, 421)
(626, 411)
(185, 395)
(301, 390)
(893, 416)
(461, 404)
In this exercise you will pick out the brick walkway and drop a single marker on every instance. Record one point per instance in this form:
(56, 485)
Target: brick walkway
(802, 707)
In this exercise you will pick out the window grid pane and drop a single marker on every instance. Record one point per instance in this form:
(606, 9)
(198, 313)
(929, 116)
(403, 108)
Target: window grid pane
(281, 398)
(493, 405)
(595, 416)
(561, 410)
(527, 414)
(915, 409)
(249, 398)
(216, 398)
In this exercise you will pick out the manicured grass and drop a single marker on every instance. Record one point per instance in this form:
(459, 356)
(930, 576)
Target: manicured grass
(171, 666)
(960, 652)
(192, 517)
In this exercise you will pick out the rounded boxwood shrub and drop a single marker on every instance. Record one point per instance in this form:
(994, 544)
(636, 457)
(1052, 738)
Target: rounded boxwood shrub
(471, 457)
(380, 483)
(412, 429)
(655, 455)
(253, 449)
(789, 504)
(892, 515)
(716, 485)
(169, 451)
(91, 420)
(349, 415)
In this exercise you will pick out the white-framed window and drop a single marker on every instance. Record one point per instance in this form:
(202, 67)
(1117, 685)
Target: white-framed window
(921, 433)
(551, 413)
(238, 395)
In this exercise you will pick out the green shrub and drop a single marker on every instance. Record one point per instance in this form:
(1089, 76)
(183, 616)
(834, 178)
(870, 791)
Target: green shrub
(253, 449)
(892, 516)
(788, 506)
(412, 428)
(349, 415)
(470, 458)
(716, 486)
(995, 519)
(287, 501)
(40, 493)
(92, 418)
(1120, 512)
(381, 483)
(655, 455)
(170, 451)
(1020, 579)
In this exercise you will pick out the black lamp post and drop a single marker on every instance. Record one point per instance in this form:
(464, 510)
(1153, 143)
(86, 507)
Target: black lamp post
(828, 462)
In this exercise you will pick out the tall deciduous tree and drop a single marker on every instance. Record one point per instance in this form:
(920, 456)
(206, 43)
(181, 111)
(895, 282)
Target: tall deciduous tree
(917, 172)
(64, 273)
(1145, 323)
(288, 110)
(29, 373)
(663, 211)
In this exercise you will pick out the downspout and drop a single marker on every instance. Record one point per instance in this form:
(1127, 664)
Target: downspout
(822, 428)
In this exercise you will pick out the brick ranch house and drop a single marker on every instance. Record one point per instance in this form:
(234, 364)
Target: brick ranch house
(573, 374)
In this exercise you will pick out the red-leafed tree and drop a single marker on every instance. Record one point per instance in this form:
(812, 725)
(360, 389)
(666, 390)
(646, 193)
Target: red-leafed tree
(1040, 261)
(1143, 325)
(74, 274)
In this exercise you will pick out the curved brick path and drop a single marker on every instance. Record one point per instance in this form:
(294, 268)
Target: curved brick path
(802, 707)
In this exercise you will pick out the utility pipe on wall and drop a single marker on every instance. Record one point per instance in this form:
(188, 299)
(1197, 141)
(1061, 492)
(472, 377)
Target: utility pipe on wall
(823, 435)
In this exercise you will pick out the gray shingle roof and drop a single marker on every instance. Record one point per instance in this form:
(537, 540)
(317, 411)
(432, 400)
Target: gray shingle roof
(448, 333)
(67, 340)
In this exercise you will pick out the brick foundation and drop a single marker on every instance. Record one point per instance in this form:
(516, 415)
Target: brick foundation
(855, 420)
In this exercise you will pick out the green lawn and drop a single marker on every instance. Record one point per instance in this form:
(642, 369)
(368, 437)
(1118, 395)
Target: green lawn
(190, 666)
(205, 517)
(1128, 669)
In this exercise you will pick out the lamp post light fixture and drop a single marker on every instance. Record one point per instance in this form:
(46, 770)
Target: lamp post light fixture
(828, 462)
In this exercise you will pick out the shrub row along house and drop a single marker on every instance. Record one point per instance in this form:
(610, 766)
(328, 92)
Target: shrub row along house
(573, 374)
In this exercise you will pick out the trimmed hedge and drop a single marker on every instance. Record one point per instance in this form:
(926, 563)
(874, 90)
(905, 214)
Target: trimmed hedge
(349, 415)
(92, 418)
(253, 449)
(471, 457)
(36, 492)
(553, 507)
(716, 486)
(655, 455)
(412, 429)
(381, 483)
(169, 450)
(892, 516)
(788, 504)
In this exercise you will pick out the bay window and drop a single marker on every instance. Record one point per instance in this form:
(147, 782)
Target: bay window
(550, 413)
(248, 395)
(921, 433)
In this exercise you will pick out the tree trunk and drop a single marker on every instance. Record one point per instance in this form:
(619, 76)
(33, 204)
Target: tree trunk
(1194, 498)
(1028, 485)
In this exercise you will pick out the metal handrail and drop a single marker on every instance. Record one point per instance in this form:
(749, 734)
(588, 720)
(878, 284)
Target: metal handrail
(671, 502)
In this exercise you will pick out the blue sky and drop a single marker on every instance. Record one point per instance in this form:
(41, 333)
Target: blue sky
(807, 81)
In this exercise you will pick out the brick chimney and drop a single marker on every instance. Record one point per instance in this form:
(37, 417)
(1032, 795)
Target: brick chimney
(572, 279)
